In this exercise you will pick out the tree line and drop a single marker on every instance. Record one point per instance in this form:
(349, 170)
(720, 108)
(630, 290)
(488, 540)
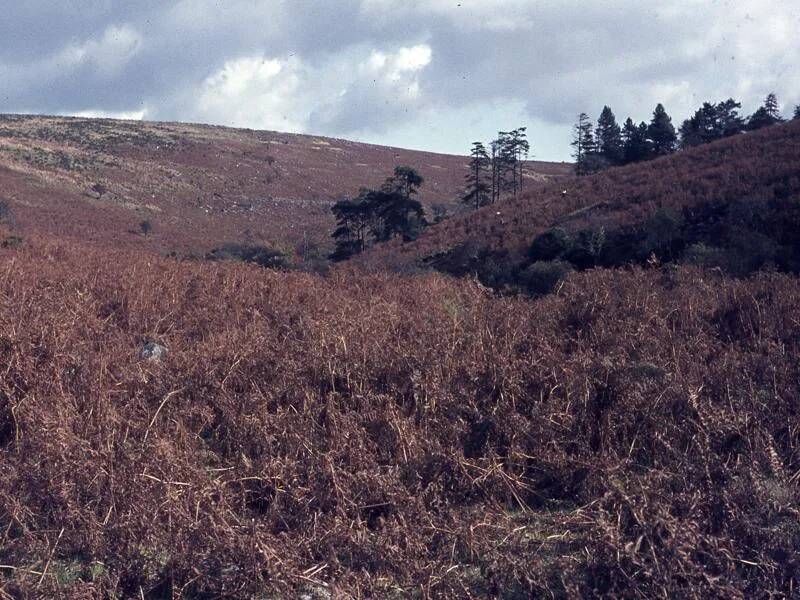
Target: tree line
(497, 170)
(607, 144)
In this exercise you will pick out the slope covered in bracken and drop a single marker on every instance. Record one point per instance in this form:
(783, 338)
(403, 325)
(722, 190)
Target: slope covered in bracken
(635, 434)
(761, 165)
(198, 186)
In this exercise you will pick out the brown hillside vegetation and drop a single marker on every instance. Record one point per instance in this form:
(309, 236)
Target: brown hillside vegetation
(635, 434)
(764, 164)
(199, 186)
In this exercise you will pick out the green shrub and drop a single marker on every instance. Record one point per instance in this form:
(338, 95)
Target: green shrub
(586, 248)
(663, 235)
(705, 256)
(261, 255)
(543, 276)
(550, 245)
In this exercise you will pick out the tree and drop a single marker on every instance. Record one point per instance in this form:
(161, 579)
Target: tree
(635, 145)
(354, 220)
(399, 212)
(609, 137)
(712, 122)
(583, 142)
(477, 187)
(504, 164)
(729, 121)
(517, 148)
(797, 112)
(661, 133)
(768, 114)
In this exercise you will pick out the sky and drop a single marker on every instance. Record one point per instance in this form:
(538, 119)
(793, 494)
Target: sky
(425, 74)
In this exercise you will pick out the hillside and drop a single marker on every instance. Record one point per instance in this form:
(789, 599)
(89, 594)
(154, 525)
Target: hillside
(199, 186)
(175, 428)
(756, 166)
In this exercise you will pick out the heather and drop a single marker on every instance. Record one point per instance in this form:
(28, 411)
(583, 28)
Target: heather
(632, 433)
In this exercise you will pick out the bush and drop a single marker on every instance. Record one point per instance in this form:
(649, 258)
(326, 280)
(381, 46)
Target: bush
(705, 256)
(263, 256)
(550, 245)
(664, 235)
(587, 248)
(543, 276)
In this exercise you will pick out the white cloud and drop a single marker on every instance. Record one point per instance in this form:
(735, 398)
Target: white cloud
(256, 92)
(108, 54)
(289, 94)
(125, 115)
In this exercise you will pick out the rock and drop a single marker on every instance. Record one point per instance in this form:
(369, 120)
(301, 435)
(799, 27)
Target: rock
(153, 351)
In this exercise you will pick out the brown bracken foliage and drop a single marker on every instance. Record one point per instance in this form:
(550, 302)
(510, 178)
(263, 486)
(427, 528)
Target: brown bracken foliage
(634, 434)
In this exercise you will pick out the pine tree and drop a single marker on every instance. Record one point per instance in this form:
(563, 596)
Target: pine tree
(583, 142)
(797, 112)
(395, 205)
(661, 133)
(712, 122)
(772, 108)
(518, 149)
(635, 146)
(477, 187)
(504, 158)
(354, 219)
(700, 128)
(768, 114)
(379, 215)
(729, 121)
(609, 137)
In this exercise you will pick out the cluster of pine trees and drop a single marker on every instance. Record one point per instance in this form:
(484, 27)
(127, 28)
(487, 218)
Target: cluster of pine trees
(496, 171)
(608, 144)
(379, 215)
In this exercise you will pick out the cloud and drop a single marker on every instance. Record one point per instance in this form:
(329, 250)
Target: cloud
(382, 70)
(254, 91)
(380, 90)
(108, 54)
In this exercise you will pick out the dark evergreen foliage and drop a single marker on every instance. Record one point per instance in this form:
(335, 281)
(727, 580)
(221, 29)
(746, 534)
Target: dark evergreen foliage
(767, 115)
(661, 133)
(379, 215)
(712, 122)
(635, 145)
(478, 191)
(609, 137)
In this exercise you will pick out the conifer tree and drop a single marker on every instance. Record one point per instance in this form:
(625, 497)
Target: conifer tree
(635, 146)
(797, 112)
(661, 133)
(518, 149)
(712, 122)
(477, 186)
(583, 143)
(400, 213)
(729, 121)
(609, 137)
(768, 114)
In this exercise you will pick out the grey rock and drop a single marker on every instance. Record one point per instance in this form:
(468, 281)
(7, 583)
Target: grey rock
(153, 351)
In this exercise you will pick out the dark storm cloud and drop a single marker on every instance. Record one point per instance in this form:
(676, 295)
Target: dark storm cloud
(383, 66)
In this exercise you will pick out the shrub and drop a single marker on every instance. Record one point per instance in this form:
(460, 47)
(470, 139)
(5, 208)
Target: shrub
(261, 255)
(550, 245)
(663, 235)
(586, 248)
(542, 276)
(705, 256)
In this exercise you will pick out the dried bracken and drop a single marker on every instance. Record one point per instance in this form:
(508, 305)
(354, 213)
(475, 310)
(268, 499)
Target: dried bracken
(635, 434)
